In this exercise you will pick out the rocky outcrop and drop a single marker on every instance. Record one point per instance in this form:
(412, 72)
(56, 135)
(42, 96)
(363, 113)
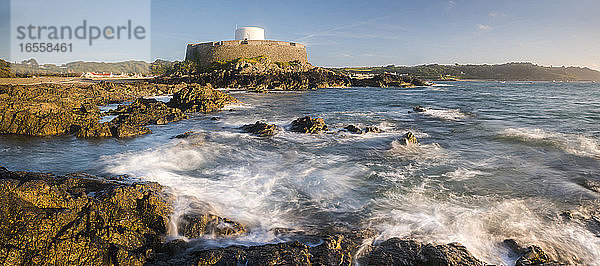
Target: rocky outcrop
(79, 220)
(397, 251)
(388, 80)
(146, 112)
(261, 129)
(419, 109)
(409, 139)
(50, 109)
(372, 130)
(260, 74)
(308, 125)
(196, 98)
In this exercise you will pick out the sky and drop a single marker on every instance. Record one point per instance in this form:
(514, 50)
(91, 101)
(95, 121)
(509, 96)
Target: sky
(374, 33)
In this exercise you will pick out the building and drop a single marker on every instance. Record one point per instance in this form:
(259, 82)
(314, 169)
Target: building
(248, 42)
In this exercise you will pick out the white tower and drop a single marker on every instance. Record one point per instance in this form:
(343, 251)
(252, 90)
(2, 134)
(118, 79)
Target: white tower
(250, 33)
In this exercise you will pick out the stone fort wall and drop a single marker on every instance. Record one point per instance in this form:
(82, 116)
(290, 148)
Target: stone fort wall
(277, 51)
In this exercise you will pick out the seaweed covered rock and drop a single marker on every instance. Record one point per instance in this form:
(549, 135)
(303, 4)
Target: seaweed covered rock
(260, 129)
(79, 220)
(388, 80)
(397, 251)
(308, 125)
(205, 99)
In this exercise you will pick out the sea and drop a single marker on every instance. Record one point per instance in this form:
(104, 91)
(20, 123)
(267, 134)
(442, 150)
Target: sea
(495, 161)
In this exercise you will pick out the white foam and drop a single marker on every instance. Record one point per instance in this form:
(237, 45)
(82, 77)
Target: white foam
(481, 224)
(446, 114)
(571, 143)
(461, 174)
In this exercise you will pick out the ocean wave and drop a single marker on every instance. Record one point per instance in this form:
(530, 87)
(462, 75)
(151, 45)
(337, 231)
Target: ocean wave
(442, 85)
(461, 174)
(418, 152)
(570, 143)
(482, 224)
(446, 114)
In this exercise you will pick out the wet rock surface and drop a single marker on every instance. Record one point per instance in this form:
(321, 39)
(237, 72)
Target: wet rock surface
(397, 251)
(308, 125)
(353, 129)
(195, 98)
(194, 225)
(261, 129)
(531, 255)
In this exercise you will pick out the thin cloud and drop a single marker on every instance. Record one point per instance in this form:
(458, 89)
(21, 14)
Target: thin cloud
(484, 27)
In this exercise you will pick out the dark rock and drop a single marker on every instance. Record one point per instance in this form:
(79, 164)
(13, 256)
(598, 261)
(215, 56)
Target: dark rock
(196, 225)
(409, 138)
(215, 118)
(185, 135)
(293, 253)
(195, 98)
(353, 129)
(95, 130)
(397, 251)
(372, 130)
(308, 125)
(260, 128)
(419, 109)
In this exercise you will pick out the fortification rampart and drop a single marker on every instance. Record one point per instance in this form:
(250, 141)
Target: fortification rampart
(277, 51)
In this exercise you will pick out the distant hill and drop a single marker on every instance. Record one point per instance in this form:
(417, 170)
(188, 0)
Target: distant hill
(32, 68)
(509, 71)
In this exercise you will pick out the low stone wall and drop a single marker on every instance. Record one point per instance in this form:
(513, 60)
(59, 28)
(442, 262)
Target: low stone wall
(277, 51)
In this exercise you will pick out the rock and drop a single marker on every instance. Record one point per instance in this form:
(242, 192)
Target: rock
(532, 255)
(95, 130)
(144, 112)
(53, 109)
(260, 128)
(125, 130)
(353, 129)
(79, 220)
(372, 130)
(397, 251)
(308, 125)
(196, 225)
(409, 138)
(185, 135)
(195, 98)
(419, 109)
(293, 253)
(388, 80)
(215, 118)
(591, 185)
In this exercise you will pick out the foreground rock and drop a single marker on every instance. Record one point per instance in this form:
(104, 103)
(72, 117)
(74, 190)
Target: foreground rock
(356, 130)
(397, 251)
(196, 98)
(309, 125)
(79, 219)
(261, 129)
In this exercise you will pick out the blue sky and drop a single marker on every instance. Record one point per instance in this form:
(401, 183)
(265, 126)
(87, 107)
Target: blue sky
(369, 33)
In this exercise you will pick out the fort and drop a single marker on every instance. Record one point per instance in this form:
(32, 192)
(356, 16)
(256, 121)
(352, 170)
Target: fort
(249, 42)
